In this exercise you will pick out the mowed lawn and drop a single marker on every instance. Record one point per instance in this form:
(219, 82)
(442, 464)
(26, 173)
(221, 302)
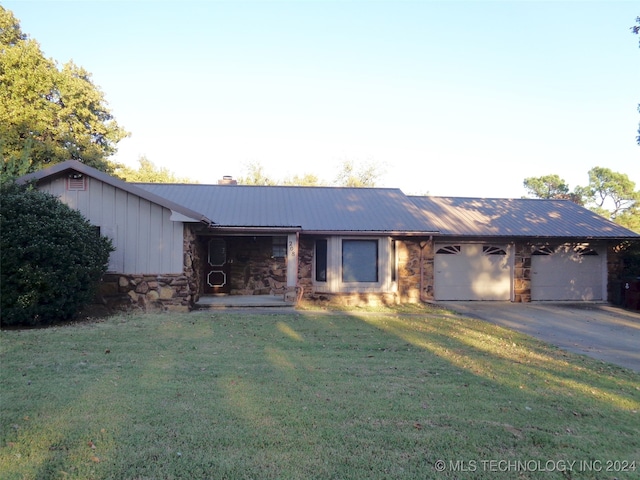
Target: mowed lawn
(326, 395)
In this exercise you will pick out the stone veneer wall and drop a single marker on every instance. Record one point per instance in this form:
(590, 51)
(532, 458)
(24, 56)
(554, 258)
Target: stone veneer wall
(149, 293)
(305, 266)
(410, 276)
(522, 273)
(194, 254)
(254, 270)
(415, 270)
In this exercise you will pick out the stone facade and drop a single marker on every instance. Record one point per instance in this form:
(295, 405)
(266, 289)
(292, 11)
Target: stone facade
(305, 268)
(193, 262)
(522, 273)
(149, 293)
(414, 271)
(254, 269)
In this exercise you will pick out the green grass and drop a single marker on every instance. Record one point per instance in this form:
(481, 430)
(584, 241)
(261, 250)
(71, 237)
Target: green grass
(308, 395)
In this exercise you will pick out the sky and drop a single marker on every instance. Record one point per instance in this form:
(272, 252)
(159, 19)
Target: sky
(446, 98)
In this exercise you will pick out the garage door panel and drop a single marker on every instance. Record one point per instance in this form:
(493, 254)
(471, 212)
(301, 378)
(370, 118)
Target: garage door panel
(567, 273)
(472, 272)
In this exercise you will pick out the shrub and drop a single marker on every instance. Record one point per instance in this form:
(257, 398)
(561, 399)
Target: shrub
(51, 258)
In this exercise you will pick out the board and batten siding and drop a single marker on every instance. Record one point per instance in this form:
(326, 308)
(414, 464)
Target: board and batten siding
(145, 238)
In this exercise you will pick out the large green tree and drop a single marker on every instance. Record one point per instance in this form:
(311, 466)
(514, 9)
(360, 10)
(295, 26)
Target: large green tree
(610, 194)
(48, 114)
(148, 172)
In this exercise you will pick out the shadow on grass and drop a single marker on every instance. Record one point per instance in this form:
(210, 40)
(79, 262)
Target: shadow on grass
(512, 359)
(303, 395)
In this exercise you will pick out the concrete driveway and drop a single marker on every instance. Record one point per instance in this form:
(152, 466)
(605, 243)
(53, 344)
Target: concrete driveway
(601, 331)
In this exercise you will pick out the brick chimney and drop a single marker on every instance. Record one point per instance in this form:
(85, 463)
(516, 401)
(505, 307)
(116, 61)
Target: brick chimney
(227, 180)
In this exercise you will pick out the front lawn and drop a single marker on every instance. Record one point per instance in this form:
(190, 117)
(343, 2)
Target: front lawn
(309, 395)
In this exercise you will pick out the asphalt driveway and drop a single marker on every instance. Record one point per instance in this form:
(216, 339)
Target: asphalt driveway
(601, 331)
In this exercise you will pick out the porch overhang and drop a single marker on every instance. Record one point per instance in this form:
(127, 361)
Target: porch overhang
(250, 230)
(365, 233)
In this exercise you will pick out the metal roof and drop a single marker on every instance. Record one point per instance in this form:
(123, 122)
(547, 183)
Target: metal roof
(312, 209)
(361, 210)
(501, 217)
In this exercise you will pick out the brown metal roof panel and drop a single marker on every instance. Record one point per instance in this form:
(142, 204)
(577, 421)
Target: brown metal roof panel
(517, 217)
(310, 208)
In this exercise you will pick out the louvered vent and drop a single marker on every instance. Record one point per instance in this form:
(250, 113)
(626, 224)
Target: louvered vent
(76, 181)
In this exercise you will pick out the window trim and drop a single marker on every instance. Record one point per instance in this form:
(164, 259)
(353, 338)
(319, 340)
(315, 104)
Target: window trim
(386, 264)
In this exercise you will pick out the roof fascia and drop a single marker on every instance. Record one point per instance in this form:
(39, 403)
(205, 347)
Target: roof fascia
(364, 233)
(253, 230)
(533, 238)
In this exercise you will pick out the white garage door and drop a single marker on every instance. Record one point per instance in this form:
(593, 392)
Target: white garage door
(567, 272)
(472, 272)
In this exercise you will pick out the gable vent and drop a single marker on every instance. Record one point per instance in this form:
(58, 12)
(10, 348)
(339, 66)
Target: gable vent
(76, 181)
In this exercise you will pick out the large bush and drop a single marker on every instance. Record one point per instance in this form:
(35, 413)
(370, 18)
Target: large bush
(52, 258)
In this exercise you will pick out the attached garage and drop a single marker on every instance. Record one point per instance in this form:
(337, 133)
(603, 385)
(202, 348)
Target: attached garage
(568, 272)
(473, 271)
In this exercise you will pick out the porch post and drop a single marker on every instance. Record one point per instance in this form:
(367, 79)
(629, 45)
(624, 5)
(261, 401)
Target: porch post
(292, 260)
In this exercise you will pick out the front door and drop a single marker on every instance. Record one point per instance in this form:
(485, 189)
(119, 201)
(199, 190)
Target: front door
(216, 273)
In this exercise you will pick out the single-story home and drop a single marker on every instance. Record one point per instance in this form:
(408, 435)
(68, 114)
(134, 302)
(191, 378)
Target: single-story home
(177, 243)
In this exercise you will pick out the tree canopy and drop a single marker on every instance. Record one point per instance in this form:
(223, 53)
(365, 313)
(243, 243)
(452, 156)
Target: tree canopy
(547, 186)
(148, 172)
(350, 174)
(49, 114)
(610, 194)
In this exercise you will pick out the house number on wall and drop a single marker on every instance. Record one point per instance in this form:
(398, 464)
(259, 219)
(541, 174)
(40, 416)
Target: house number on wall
(292, 250)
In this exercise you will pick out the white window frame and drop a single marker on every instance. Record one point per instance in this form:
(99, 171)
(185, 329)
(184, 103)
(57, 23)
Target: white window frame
(334, 283)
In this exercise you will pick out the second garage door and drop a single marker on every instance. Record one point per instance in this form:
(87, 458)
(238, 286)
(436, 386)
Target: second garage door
(472, 272)
(567, 272)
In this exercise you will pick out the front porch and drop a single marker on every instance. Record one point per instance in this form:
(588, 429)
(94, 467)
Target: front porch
(244, 265)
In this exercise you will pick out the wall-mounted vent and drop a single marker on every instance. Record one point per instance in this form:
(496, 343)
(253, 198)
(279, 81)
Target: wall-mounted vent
(76, 182)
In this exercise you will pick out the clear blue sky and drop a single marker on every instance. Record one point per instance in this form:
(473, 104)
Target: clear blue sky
(451, 98)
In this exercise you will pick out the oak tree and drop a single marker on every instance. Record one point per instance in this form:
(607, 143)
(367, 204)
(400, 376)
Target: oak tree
(49, 114)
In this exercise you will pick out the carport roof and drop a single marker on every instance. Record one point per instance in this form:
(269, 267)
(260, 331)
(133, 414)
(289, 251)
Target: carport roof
(311, 209)
(500, 217)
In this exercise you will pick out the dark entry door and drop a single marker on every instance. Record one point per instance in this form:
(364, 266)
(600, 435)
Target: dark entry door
(216, 275)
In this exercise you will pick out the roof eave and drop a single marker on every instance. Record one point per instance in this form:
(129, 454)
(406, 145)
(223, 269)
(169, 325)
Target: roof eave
(386, 233)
